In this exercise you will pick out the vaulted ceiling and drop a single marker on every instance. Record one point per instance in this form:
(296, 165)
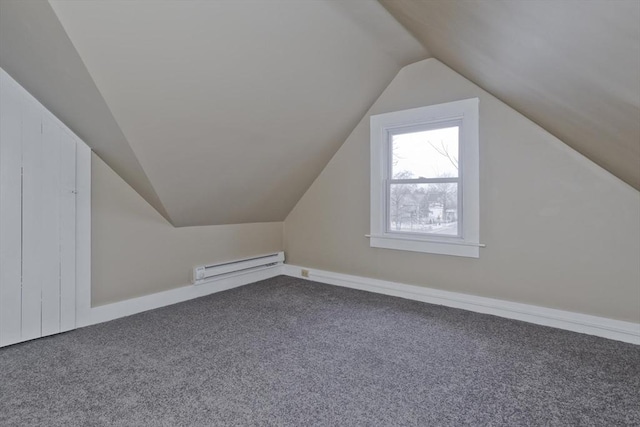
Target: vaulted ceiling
(572, 66)
(233, 108)
(225, 111)
(35, 50)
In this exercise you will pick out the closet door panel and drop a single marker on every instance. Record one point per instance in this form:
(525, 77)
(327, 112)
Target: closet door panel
(32, 208)
(50, 241)
(67, 233)
(39, 163)
(10, 213)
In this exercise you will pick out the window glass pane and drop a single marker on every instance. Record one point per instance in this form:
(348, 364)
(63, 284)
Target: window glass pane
(425, 154)
(424, 208)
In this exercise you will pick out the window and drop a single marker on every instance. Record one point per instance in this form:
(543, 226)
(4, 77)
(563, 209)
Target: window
(424, 179)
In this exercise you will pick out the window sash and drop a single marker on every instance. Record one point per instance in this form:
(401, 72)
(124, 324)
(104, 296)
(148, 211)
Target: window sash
(388, 167)
(459, 213)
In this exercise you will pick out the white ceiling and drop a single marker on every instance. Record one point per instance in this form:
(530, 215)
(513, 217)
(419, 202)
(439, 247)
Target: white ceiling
(572, 66)
(234, 107)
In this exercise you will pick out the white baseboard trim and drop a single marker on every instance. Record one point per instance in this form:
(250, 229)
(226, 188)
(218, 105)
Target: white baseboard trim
(128, 307)
(576, 322)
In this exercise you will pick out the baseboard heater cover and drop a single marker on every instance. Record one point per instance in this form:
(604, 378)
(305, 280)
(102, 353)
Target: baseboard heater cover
(206, 273)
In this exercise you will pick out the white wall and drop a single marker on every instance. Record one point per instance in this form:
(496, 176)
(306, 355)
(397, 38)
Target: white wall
(136, 252)
(560, 231)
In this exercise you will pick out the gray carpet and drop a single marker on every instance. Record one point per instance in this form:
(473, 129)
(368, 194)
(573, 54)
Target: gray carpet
(291, 352)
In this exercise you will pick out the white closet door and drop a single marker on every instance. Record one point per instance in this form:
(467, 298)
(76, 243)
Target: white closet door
(68, 217)
(51, 190)
(58, 238)
(38, 218)
(10, 212)
(32, 214)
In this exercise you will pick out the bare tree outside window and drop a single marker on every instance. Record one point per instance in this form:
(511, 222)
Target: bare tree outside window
(424, 207)
(425, 179)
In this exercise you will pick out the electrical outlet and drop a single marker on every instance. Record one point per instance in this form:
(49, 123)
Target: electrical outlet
(304, 273)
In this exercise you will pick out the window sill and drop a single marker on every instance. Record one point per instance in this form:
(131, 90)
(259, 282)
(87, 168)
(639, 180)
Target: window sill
(455, 247)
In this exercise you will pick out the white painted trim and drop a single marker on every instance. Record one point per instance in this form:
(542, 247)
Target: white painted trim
(382, 127)
(592, 325)
(459, 248)
(128, 307)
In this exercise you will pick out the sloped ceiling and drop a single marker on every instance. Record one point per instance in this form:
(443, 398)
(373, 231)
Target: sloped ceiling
(35, 50)
(225, 111)
(232, 108)
(572, 66)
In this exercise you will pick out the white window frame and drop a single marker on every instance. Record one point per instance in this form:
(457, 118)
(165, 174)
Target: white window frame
(462, 113)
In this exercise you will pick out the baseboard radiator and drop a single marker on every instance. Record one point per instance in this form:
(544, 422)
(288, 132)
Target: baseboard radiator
(208, 273)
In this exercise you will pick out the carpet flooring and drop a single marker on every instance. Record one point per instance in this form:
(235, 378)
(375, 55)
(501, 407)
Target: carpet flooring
(289, 352)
